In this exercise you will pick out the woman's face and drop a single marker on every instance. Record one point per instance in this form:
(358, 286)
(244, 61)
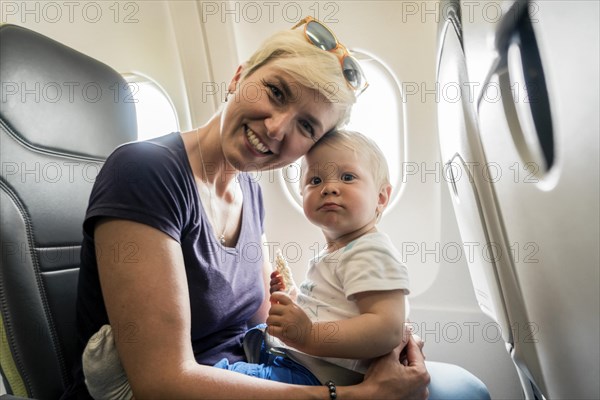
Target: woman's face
(270, 120)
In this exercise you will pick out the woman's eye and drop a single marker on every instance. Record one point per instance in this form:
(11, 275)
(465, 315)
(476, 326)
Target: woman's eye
(275, 92)
(347, 177)
(308, 128)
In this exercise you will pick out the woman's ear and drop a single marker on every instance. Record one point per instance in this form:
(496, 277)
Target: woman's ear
(235, 80)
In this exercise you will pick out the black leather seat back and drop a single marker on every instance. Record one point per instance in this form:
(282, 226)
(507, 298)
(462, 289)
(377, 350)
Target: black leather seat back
(61, 114)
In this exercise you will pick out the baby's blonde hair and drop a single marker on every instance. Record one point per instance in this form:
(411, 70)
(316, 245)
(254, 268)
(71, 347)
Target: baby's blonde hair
(365, 148)
(309, 65)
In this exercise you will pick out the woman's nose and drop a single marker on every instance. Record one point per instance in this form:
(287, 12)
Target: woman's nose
(278, 125)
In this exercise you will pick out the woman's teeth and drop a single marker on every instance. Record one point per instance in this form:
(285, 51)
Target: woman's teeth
(255, 142)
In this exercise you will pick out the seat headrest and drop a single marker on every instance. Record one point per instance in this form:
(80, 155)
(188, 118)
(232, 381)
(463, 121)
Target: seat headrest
(57, 99)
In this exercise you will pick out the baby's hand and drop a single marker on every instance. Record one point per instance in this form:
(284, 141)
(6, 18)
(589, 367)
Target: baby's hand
(277, 283)
(288, 322)
(281, 278)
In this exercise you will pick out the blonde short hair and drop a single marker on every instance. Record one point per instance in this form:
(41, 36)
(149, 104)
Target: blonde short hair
(309, 65)
(365, 148)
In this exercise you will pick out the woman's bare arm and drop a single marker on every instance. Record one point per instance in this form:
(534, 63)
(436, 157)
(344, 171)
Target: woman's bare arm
(144, 285)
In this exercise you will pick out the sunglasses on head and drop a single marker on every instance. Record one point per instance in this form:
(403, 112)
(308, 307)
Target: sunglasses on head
(322, 37)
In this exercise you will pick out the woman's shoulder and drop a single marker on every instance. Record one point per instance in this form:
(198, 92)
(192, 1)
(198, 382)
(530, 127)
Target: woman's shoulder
(158, 160)
(164, 153)
(165, 146)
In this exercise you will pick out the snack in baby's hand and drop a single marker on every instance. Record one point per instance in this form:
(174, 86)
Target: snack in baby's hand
(284, 270)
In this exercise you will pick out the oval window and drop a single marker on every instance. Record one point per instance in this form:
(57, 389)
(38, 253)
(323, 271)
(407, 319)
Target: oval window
(156, 115)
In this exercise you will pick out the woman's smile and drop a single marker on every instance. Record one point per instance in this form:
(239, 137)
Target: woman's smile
(255, 143)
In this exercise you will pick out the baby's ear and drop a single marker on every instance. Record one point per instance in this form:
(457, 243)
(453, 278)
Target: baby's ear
(384, 197)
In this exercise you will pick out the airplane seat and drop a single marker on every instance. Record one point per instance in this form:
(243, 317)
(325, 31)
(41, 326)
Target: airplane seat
(522, 158)
(61, 114)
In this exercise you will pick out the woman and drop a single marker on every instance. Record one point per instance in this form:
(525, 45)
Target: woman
(171, 234)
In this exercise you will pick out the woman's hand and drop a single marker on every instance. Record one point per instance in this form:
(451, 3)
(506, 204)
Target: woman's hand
(289, 323)
(389, 378)
(419, 342)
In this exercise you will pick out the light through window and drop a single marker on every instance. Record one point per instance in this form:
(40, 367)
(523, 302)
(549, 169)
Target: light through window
(155, 113)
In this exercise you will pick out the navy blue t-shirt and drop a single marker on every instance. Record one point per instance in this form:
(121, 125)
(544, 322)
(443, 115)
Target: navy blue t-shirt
(152, 183)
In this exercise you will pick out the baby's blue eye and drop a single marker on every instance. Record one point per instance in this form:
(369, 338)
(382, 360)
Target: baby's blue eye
(347, 177)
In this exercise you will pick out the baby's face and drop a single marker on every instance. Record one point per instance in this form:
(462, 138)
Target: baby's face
(339, 191)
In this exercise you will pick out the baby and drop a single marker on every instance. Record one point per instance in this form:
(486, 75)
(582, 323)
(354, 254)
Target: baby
(351, 307)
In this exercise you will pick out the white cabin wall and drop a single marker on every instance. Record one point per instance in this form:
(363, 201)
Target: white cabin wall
(133, 37)
(454, 328)
(207, 50)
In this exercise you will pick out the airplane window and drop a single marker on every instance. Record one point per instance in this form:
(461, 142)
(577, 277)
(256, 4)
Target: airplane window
(379, 114)
(155, 113)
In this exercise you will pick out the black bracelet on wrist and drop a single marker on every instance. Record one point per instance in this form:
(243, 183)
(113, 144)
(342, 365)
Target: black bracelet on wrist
(332, 391)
